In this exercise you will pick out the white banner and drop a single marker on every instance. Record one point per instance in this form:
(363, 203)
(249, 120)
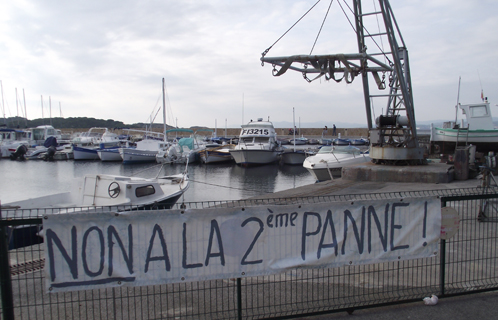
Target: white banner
(88, 251)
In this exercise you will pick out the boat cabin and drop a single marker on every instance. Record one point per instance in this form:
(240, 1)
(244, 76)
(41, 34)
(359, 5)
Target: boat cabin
(478, 116)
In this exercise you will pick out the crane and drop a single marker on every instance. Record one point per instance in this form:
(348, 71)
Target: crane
(393, 139)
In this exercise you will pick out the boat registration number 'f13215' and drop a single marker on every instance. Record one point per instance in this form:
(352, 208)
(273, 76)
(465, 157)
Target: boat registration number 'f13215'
(255, 131)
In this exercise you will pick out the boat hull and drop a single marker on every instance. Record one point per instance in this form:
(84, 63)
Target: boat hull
(328, 166)
(137, 156)
(251, 157)
(216, 155)
(446, 139)
(293, 157)
(323, 174)
(80, 153)
(109, 154)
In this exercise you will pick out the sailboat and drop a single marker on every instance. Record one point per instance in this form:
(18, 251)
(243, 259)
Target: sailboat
(147, 149)
(293, 156)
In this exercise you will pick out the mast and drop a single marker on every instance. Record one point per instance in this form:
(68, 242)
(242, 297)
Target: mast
(17, 108)
(164, 115)
(25, 110)
(294, 130)
(50, 108)
(458, 101)
(42, 108)
(3, 105)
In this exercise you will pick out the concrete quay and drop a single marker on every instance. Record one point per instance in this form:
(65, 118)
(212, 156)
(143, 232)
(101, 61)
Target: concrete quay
(371, 178)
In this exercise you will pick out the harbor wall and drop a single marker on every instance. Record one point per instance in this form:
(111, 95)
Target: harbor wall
(281, 132)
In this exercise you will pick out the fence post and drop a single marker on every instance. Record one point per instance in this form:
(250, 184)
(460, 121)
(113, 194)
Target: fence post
(239, 299)
(5, 280)
(442, 260)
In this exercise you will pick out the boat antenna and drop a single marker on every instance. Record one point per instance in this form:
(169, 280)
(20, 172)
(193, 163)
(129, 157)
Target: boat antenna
(164, 115)
(294, 129)
(480, 83)
(458, 100)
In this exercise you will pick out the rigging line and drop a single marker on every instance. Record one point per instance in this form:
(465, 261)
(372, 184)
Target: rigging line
(378, 28)
(345, 14)
(221, 186)
(266, 51)
(371, 37)
(321, 27)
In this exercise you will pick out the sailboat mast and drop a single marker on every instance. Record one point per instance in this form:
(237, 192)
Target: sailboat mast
(3, 105)
(25, 110)
(17, 107)
(41, 97)
(164, 114)
(294, 129)
(50, 108)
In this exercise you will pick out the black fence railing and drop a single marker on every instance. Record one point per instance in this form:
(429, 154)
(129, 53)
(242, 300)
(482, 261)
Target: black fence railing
(467, 262)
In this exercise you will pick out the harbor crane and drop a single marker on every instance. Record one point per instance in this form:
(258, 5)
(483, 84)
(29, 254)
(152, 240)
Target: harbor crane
(393, 140)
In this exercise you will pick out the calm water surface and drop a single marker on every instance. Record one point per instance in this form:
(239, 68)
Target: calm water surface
(22, 180)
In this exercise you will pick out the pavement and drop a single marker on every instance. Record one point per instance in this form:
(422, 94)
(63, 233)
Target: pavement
(480, 306)
(471, 306)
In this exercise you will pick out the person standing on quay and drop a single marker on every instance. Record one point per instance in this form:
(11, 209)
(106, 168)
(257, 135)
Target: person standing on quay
(325, 131)
(334, 130)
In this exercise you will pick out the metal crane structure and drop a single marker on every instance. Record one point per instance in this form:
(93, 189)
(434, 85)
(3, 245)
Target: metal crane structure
(394, 138)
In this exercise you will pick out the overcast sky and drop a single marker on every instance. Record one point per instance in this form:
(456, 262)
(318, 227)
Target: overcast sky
(105, 59)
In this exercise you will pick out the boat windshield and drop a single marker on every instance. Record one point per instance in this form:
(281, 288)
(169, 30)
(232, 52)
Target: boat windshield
(339, 149)
(261, 140)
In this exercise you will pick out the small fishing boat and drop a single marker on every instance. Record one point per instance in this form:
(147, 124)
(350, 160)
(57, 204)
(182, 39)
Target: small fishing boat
(109, 154)
(96, 190)
(217, 154)
(298, 141)
(257, 144)
(327, 164)
(145, 151)
(477, 129)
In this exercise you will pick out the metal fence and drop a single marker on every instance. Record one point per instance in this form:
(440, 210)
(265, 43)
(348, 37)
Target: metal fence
(467, 263)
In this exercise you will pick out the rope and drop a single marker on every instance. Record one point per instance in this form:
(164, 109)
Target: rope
(266, 51)
(221, 186)
(323, 22)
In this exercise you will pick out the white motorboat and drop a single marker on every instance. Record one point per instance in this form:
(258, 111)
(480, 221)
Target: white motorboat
(40, 134)
(217, 154)
(478, 130)
(329, 161)
(257, 144)
(85, 146)
(96, 190)
(11, 139)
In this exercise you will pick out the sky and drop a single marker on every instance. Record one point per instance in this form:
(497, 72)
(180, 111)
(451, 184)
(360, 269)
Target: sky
(106, 59)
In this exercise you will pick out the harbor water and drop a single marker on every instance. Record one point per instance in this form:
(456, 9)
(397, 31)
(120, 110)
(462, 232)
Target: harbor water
(214, 182)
